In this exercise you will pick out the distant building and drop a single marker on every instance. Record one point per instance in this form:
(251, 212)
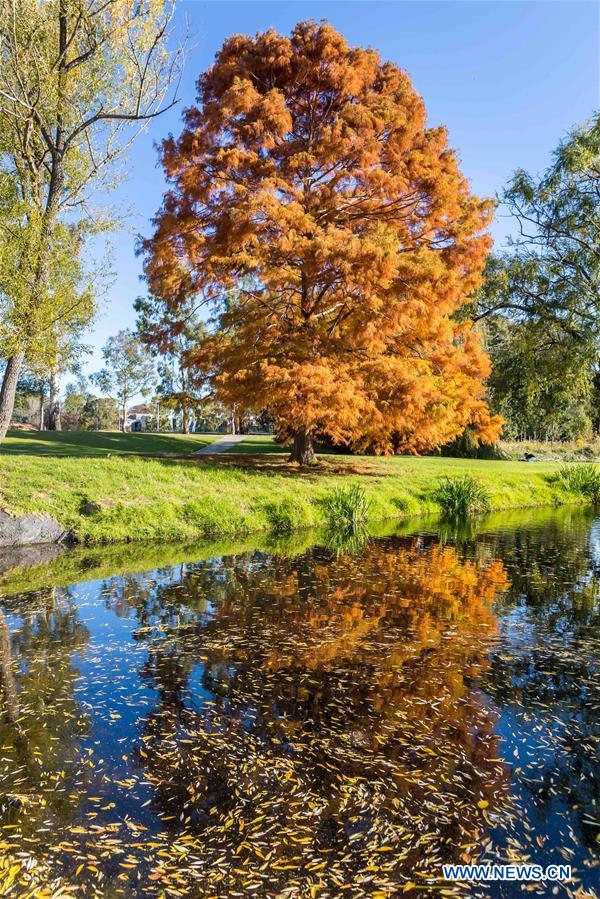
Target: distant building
(138, 418)
(175, 420)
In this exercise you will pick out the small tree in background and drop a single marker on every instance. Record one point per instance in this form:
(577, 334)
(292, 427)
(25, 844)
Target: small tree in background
(100, 413)
(83, 411)
(129, 370)
(73, 404)
(307, 182)
(171, 336)
(542, 381)
(32, 387)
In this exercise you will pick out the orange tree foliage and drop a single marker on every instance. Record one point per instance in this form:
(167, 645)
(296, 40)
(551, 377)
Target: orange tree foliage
(336, 235)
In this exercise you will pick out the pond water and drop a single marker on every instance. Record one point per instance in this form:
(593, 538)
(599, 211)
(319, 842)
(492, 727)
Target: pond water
(328, 721)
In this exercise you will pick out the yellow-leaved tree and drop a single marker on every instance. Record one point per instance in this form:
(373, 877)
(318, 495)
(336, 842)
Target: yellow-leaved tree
(79, 80)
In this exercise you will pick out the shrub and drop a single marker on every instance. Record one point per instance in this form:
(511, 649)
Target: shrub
(466, 446)
(583, 479)
(461, 496)
(347, 508)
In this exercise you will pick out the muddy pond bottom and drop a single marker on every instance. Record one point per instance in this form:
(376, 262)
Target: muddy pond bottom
(317, 721)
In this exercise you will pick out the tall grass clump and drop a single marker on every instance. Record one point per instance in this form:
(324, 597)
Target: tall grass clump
(583, 479)
(461, 496)
(347, 508)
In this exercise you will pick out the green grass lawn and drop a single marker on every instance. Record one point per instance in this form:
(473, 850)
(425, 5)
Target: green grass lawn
(265, 443)
(557, 451)
(145, 443)
(258, 443)
(229, 494)
(101, 443)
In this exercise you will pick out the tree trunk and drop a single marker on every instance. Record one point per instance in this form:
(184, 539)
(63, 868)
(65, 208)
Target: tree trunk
(54, 423)
(303, 451)
(54, 406)
(185, 419)
(8, 391)
(55, 187)
(41, 421)
(241, 425)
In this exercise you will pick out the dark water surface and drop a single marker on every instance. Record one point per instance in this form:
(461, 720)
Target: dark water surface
(308, 723)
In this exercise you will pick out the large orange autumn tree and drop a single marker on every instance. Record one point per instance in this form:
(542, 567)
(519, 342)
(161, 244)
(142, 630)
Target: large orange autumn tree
(336, 236)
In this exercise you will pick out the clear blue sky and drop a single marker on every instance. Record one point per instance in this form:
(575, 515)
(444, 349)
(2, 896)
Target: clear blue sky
(507, 78)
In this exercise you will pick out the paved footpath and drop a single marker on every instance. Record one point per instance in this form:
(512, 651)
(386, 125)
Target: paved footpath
(219, 446)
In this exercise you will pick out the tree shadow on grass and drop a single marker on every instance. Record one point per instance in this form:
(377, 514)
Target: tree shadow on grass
(75, 444)
(268, 463)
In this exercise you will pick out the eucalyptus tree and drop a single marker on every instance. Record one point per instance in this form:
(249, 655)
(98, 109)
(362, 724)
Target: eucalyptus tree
(79, 80)
(129, 370)
(171, 336)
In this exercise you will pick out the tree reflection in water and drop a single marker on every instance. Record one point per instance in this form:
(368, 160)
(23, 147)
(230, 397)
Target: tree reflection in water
(344, 744)
(319, 725)
(43, 774)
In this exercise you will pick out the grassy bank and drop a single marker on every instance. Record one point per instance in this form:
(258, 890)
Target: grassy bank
(126, 497)
(52, 567)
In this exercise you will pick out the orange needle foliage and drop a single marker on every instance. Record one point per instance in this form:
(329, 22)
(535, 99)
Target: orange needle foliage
(337, 237)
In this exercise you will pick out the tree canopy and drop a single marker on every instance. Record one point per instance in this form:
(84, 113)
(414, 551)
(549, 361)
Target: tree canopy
(539, 305)
(129, 370)
(307, 182)
(554, 273)
(171, 337)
